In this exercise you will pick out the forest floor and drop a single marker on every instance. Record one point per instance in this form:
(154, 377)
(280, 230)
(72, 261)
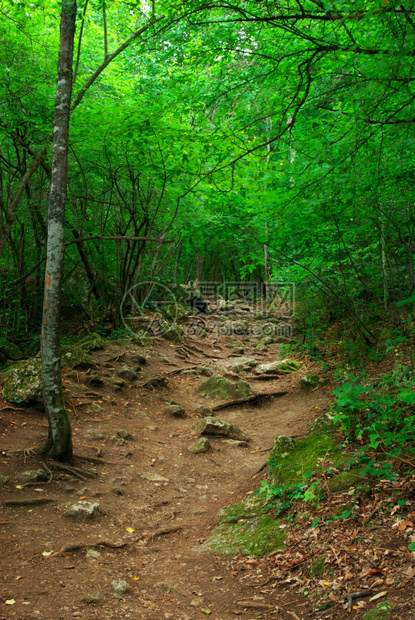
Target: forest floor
(149, 532)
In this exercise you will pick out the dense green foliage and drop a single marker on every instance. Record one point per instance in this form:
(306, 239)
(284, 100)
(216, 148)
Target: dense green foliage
(256, 140)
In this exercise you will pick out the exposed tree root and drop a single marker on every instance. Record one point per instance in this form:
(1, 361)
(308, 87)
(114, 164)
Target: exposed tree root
(37, 501)
(248, 399)
(82, 474)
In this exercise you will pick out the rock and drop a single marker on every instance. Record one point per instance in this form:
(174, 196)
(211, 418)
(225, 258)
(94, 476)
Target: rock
(283, 444)
(128, 373)
(206, 371)
(124, 434)
(173, 333)
(93, 342)
(174, 311)
(93, 408)
(95, 380)
(235, 443)
(93, 598)
(153, 477)
(76, 357)
(142, 415)
(345, 480)
(3, 480)
(22, 383)
(118, 491)
(200, 446)
(382, 611)
(223, 389)
(117, 383)
(176, 411)
(225, 306)
(323, 424)
(119, 586)
(69, 488)
(93, 554)
(216, 426)
(203, 411)
(34, 475)
(142, 339)
(285, 366)
(139, 359)
(309, 382)
(83, 510)
(118, 441)
(240, 364)
(93, 434)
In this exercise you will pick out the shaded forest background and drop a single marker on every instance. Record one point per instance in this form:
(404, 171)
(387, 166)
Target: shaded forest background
(220, 141)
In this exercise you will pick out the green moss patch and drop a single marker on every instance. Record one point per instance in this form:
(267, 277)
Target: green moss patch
(382, 611)
(257, 536)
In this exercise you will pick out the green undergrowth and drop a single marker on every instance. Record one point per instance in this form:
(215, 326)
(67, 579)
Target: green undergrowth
(367, 437)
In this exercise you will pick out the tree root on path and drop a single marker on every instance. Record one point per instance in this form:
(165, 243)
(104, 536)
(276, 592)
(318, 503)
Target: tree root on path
(82, 474)
(248, 399)
(114, 545)
(37, 501)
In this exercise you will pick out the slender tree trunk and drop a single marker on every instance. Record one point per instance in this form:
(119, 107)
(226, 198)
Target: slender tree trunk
(59, 442)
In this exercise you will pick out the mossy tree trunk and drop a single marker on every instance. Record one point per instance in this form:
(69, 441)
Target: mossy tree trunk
(59, 442)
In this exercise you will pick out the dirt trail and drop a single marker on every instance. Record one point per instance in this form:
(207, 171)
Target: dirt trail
(161, 523)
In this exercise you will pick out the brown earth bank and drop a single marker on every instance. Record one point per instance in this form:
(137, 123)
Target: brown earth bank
(150, 528)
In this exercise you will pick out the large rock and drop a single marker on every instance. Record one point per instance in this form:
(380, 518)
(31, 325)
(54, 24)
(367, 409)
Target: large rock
(34, 475)
(128, 373)
(283, 367)
(83, 510)
(240, 364)
(22, 384)
(200, 446)
(174, 333)
(76, 357)
(93, 342)
(223, 389)
(216, 426)
(176, 411)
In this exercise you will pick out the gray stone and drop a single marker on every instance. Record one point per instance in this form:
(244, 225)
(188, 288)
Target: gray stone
(124, 434)
(235, 443)
(139, 359)
(3, 480)
(96, 380)
(93, 408)
(93, 434)
(309, 382)
(176, 411)
(200, 446)
(83, 510)
(285, 366)
(128, 373)
(220, 388)
(117, 383)
(216, 426)
(153, 477)
(119, 586)
(93, 598)
(34, 475)
(118, 441)
(203, 411)
(240, 364)
(323, 424)
(206, 371)
(142, 415)
(93, 554)
(22, 383)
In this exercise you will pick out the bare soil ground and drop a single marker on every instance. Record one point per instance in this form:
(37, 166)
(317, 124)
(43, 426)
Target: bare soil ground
(149, 533)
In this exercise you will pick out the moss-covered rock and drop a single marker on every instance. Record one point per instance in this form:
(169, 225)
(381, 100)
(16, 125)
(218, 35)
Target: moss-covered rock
(93, 342)
(243, 510)
(216, 426)
(174, 311)
(345, 480)
(142, 339)
(309, 382)
(285, 366)
(257, 536)
(22, 383)
(240, 364)
(173, 333)
(200, 446)
(76, 357)
(220, 388)
(382, 611)
(291, 461)
(323, 424)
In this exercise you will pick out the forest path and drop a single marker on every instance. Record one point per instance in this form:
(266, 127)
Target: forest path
(162, 523)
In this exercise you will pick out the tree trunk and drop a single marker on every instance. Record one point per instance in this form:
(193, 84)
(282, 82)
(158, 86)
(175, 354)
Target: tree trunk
(59, 442)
